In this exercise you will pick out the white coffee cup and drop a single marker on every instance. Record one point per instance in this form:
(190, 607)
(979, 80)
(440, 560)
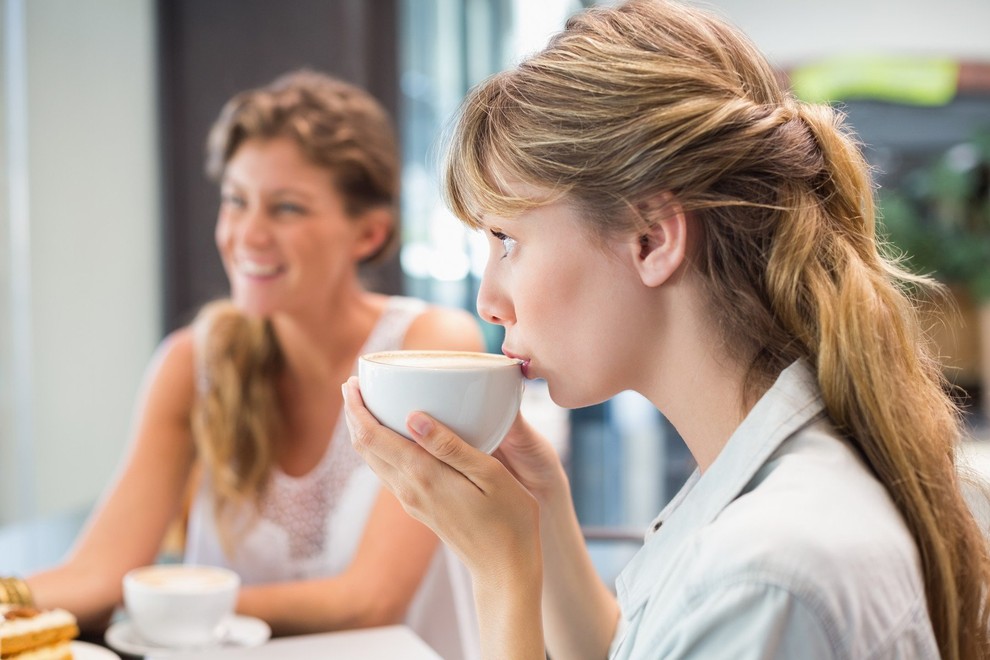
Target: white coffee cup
(476, 395)
(180, 605)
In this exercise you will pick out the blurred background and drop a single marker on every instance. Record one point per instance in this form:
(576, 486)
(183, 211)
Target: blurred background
(106, 217)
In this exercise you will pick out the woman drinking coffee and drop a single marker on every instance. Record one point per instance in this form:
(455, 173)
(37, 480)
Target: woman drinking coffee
(665, 217)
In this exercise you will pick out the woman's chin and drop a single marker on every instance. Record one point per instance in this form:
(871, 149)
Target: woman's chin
(564, 398)
(571, 399)
(254, 308)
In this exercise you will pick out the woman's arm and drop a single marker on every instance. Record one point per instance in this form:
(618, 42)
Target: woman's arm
(127, 526)
(580, 613)
(376, 588)
(477, 508)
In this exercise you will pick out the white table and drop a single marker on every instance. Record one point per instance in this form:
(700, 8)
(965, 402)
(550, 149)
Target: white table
(382, 643)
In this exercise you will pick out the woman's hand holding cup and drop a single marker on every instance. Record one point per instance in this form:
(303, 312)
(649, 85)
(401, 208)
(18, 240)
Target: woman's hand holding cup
(533, 461)
(472, 501)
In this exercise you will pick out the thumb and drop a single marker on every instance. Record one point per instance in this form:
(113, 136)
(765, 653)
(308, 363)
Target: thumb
(443, 443)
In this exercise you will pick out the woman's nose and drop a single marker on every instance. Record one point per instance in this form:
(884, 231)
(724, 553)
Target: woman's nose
(254, 227)
(493, 305)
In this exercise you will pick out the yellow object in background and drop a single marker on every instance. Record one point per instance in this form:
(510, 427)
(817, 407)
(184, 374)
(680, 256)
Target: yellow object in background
(911, 80)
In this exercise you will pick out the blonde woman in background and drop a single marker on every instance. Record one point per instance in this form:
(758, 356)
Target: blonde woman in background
(664, 217)
(309, 175)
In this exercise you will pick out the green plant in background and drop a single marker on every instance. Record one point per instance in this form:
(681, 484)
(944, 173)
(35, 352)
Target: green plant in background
(940, 216)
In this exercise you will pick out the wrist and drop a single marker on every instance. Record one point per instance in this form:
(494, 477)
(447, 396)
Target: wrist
(555, 497)
(512, 553)
(509, 612)
(553, 489)
(15, 591)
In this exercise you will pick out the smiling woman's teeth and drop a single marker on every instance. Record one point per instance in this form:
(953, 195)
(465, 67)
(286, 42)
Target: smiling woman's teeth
(254, 268)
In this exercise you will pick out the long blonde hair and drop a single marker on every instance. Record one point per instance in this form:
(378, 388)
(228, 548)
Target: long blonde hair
(652, 97)
(237, 411)
(237, 414)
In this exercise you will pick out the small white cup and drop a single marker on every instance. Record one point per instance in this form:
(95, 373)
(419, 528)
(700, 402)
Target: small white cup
(180, 605)
(476, 395)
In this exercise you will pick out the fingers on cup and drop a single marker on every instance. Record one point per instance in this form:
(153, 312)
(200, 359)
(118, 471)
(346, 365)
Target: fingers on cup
(439, 440)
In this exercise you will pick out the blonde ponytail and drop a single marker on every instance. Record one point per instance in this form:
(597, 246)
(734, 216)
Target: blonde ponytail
(236, 412)
(881, 384)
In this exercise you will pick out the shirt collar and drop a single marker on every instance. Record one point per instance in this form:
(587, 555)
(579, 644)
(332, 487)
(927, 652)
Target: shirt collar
(791, 403)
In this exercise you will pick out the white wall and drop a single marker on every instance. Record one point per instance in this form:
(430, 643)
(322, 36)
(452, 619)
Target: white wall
(80, 172)
(795, 31)
(8, 453)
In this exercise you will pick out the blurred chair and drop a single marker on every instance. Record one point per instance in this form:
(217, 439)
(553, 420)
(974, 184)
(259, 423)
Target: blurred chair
(604, 533)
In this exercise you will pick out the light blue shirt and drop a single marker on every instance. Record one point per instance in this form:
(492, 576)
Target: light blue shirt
(786, 547)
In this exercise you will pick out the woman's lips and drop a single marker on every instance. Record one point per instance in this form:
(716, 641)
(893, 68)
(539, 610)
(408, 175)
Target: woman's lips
(256, 269)
(523, 362)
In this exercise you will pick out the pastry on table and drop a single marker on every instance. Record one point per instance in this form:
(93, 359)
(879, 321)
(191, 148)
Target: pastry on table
(27, 633)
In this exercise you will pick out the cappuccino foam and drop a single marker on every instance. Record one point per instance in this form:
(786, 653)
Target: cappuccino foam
(182, 578)
(441, 359)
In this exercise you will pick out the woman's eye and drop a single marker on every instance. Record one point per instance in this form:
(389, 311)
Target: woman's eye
(231, 200)
(289, 208)
(507, 243)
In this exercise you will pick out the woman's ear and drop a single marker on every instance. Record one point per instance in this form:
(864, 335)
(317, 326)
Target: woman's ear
(373, 227)
(662, 246)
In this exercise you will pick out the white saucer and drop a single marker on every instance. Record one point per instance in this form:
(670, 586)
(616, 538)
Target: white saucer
(242, 632)
(87, 651)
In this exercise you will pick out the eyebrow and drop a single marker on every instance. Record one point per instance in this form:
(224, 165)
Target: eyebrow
(291, 191)
(298, 192)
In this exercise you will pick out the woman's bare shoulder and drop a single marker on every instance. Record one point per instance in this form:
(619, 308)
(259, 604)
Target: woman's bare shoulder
(444, 328)
(176, 350)
(170, 377)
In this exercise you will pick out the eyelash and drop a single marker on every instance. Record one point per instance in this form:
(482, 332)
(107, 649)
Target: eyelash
(289, 207)
(233, 200)
(506, 241)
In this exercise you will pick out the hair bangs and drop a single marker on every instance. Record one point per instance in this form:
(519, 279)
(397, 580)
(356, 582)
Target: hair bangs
(486, 168)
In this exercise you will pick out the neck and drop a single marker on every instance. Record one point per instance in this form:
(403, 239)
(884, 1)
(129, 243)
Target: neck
(705, 405)
(317, 343)
(699, 383)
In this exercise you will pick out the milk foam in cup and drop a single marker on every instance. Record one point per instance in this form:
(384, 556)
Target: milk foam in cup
(180, 605)
(476, 395)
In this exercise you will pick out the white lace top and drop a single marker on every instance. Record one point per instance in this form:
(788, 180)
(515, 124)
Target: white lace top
(309, 526)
